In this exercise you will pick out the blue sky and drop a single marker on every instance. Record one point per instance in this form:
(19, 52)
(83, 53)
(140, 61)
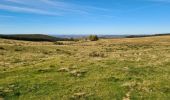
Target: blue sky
(84, 16)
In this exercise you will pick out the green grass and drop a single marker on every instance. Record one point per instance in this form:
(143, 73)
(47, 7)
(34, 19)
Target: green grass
(136, 69)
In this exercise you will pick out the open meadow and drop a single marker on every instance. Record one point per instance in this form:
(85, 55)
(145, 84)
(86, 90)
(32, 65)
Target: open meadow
(107, 69)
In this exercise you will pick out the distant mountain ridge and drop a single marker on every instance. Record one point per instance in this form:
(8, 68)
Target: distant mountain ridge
(32, 37)
(84, 36)
(138, 36)
(110, 36)
(53, 38)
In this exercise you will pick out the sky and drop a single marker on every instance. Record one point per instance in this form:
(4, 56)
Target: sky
(113, 17)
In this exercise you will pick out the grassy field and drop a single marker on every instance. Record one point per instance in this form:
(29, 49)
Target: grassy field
(108, 69)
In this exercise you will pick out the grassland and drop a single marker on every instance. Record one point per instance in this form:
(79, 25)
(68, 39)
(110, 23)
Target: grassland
(108, 69)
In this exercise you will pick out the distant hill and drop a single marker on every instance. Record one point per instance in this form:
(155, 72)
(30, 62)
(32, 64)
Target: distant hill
(110, 36)
(84, 36)
(32, 37)
(53, 38)
(138, 36)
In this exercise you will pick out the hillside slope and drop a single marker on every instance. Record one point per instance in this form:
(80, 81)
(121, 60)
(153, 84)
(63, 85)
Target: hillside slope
(138, 36)
(108, 69)
(31, 37)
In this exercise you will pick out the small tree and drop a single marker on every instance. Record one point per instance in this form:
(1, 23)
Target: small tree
(93, 38)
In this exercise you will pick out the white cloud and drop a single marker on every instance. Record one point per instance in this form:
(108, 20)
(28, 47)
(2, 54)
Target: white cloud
(49, 7)
(15, 1)
(25, 10)
(65, 6)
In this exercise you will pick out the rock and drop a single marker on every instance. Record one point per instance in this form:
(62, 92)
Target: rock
(63, 70)
(75, 73)
(78, 73)
(79, 95)
(127, 97)
(126, 68)
(73, 67)
(129, 84)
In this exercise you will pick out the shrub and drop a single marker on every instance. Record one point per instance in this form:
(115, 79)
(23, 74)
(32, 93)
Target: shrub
(18, 49)
(93, 38)
(2, 48)
(96, 54)
(58, 43)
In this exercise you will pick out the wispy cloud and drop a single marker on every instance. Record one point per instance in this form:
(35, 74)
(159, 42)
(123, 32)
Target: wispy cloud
(25, 10)
(48, 7)
(154, 3)
(65, 6)
(15, 1)
(70, 7)
(55, 3)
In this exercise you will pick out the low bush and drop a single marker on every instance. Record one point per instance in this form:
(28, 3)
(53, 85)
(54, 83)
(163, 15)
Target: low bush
(18, 49)
(2, 48)
(58, 43)
(93, 38)
(96, 54)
